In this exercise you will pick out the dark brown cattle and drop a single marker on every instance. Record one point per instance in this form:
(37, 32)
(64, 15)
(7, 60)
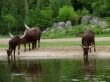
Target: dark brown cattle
(13, 43)
(88, 41)
(31, 35)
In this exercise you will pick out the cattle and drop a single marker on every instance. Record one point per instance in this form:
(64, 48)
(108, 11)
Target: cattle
(13, 43)
(88, 41)
(31, 35)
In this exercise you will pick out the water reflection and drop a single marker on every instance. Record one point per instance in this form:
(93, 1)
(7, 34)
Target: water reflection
(55, 70)
(19, 69)
(89, 69)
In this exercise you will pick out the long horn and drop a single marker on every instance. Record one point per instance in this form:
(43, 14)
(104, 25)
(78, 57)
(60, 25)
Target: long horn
(90, 46)
(23, 34)
(83, 46)
(26, 26)
(10, 34)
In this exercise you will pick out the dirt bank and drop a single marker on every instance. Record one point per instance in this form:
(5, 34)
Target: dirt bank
(59, 52)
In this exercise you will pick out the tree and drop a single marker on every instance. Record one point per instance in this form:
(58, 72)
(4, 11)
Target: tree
(101, 8)
(41, 18)
(67, 13)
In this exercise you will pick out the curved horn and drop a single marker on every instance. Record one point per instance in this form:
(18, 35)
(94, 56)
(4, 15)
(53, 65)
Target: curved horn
(83, 46)
(90, 46)
(23, 34)
(10, 34)
(26, 26)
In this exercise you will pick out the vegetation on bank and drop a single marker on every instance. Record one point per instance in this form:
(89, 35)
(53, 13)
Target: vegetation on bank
(75, 31)
(43, 13)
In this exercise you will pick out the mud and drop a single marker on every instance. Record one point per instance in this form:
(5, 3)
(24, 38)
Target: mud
(59, 53)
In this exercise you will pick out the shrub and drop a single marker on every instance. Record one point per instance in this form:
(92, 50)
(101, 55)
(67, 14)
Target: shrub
(97, 30)
(42, 18)
(67, 13)
(83, 12)
(9, 23)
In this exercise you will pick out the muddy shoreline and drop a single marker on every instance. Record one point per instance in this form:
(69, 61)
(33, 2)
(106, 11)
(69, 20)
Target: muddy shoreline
(75, 52)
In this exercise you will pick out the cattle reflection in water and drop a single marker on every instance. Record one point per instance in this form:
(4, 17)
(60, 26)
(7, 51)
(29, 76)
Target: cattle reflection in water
(30, 69)
(89, 69)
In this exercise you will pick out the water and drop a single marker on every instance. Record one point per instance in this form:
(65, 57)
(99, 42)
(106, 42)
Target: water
(55, 70)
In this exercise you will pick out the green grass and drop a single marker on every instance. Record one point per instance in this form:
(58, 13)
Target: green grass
(103, 35)
(98, 43)
(103, 43)
(44, 44)
(52, 44)
(3, 46)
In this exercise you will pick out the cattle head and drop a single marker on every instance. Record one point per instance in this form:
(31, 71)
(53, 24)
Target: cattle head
(9, 52)
(86, 49)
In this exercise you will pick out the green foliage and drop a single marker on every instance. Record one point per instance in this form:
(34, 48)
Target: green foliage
(9, 21)
(83, 12)
(57, 4)
(43, 13)
(41, 18)
(97, 30)
(75, 31)
(100, 7)
(67, 13)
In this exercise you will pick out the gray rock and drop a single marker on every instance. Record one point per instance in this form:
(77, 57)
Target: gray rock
(94, 20)
(68, 24)
(61, 24)
(85, 19)
(55, 25)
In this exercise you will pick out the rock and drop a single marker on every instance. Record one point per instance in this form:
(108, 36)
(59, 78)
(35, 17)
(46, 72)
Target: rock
(61, 24)
(94, 20)
(68, 24)
(85, 19)
(55, 25)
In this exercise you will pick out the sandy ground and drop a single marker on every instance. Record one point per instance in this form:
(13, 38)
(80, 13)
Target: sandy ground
(59, 52)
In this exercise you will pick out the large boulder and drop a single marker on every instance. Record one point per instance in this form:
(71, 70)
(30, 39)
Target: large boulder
(94, 20)
(85, 19)
(61, 24)
(68, 24)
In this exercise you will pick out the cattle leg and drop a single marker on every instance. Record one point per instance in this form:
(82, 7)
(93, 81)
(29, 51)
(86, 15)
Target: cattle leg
(94, 48)
(14, 53)
(90, 50)
(32, 45)
(24, 47)
(39, 43)
(35, 44)
(18, 49)
(29, 46)
(11, 56)
(94, 45)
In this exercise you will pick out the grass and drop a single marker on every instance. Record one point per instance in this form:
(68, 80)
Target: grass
(75, 43)
(103, 35)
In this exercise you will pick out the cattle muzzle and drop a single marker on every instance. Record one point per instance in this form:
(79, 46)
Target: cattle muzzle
(9, 52)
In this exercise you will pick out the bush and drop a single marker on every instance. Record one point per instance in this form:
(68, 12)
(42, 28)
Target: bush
(41, 18)
(67, 13)
(97, 30)
(8, 23)
(83, 12)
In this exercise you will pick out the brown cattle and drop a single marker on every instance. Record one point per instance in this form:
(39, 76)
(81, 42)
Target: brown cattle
(13, 43)
(88, 41)
(31, 35)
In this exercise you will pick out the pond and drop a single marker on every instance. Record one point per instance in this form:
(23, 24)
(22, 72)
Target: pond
(55, 70)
